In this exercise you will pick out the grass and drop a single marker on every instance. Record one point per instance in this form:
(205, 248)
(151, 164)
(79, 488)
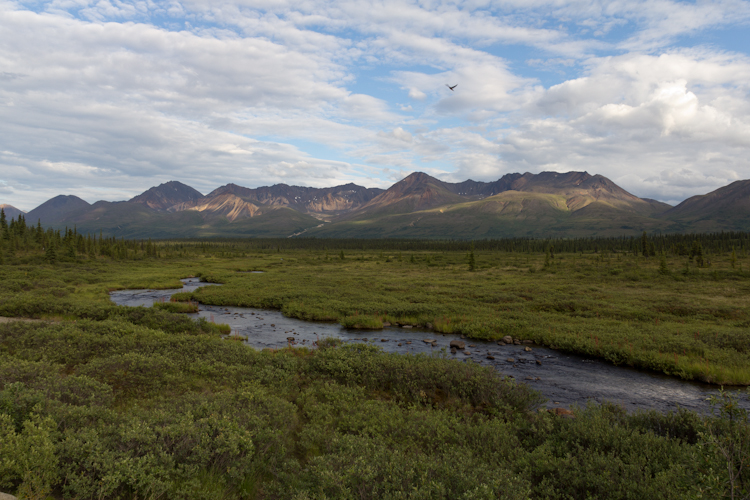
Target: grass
(177, 307)
(362, 321)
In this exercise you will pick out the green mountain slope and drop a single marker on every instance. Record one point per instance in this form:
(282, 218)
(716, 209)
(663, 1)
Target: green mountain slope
(509, 214)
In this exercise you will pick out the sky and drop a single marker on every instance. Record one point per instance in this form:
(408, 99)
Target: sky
(107, 98)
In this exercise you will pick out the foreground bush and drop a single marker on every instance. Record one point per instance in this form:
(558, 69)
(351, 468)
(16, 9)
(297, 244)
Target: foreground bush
(114, 409)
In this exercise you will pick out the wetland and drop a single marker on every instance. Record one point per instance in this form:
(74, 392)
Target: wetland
(270, 390)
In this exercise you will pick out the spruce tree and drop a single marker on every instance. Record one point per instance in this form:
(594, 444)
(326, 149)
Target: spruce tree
(50, 254)
(696, 252)
(663, 269)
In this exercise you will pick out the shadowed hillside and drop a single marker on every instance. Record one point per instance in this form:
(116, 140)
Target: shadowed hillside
(55, 210)
(727, 208)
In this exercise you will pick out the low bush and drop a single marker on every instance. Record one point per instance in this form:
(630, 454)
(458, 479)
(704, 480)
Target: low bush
(177, 307)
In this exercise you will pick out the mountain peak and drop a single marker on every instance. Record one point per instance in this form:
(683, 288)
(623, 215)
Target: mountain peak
(417, 191)
(165, 195)
(418, 178)
(57, 209)
(11, 212)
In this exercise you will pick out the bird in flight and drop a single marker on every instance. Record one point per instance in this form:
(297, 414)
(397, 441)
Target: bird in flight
(456, 85)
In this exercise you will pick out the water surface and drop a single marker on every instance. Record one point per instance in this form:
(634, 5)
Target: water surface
(564, 379)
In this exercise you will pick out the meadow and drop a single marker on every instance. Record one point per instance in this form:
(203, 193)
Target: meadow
(103, 401)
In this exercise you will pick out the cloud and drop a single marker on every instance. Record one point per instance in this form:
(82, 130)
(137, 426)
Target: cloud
(367, 108)
(108, 103)
(417, 94)
(634, 115)
(664, 20)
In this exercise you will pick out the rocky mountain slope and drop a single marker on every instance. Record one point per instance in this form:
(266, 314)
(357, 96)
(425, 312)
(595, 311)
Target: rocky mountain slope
(319, 201)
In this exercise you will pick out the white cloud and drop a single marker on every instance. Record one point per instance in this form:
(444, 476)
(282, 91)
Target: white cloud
(635, 115)
(417, 94)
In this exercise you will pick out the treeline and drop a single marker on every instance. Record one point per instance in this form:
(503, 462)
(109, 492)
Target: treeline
(17, 236)
(671, 244)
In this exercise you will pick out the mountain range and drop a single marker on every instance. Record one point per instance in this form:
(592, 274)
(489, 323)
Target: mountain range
(548, 204)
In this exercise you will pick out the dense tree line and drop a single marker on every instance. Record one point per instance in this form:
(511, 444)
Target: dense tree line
(648, 245)
(17, 237)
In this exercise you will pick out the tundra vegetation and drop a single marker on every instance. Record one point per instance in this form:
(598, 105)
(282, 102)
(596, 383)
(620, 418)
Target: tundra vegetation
(104, 401)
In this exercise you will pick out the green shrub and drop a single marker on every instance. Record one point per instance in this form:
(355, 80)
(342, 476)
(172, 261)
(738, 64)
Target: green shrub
(177, 307)
(361, 321)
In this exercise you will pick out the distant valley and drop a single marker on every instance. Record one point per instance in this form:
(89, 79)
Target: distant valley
(548, 204)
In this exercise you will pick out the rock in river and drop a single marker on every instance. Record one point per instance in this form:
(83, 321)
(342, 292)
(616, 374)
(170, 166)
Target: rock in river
(508, 339)
(458, 344)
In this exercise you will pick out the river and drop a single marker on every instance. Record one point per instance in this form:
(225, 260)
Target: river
(564, 379)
